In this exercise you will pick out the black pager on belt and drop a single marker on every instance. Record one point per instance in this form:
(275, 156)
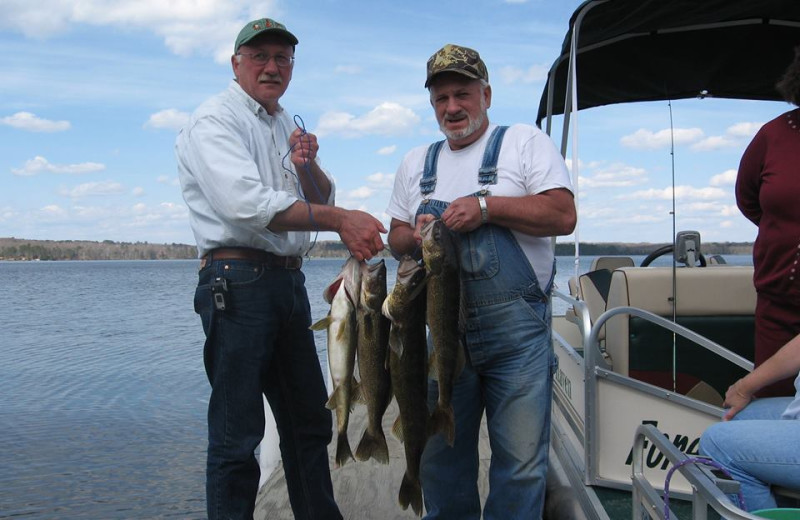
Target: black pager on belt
(219, 290)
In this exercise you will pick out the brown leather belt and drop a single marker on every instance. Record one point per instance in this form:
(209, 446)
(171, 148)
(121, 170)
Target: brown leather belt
(270, 260)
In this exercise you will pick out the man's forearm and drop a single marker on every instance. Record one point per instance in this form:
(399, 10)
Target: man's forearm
(314, 182)
(303, 216)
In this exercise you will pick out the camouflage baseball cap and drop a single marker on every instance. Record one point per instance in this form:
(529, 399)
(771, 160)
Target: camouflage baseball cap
(454, 58)
(262, 26)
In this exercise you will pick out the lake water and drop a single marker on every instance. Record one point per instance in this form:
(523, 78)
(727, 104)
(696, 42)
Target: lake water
(103, 390)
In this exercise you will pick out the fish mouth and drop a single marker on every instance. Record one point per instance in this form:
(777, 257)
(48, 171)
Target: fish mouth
(371, 268)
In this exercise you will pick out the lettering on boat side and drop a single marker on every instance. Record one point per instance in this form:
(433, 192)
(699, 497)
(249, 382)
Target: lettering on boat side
(654, 456)
(564, 383)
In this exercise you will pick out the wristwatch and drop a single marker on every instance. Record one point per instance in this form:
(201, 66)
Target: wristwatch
(484, 209)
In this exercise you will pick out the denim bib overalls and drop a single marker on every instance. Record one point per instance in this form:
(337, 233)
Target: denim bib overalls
(508, 372)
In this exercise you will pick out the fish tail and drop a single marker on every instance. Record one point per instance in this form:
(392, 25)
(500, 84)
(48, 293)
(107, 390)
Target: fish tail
(443, 421)
(343, 452)
(410, 494)
(373, 445)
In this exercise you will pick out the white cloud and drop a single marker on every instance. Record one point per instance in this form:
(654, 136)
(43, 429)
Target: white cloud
(646, 139)
(387, 150)
(533, 74)
(681, 192)
(39, 165)
(614, 176)
(715, 142)
(726, 178)
(170, 119)
(91, 189)
(730, 210)
(747, 130)
(187, 26)
(53, 211)
(33, 123)
(386, 119)
(734, 137)
(137, 191)
(361, 193)
(169, 180)
(381, 180)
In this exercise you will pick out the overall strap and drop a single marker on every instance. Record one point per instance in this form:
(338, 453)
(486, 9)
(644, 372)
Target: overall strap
(487, 174)
(427, 184)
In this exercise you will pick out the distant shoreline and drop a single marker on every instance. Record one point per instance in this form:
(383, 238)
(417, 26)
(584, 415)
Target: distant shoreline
(18, 249)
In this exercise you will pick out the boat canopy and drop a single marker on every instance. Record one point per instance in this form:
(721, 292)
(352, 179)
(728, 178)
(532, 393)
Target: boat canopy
(648, 50)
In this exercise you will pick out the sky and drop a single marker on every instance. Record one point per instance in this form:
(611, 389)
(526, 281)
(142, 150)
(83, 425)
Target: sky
(94, 92)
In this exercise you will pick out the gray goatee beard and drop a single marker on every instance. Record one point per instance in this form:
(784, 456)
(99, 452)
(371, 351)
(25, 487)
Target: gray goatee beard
(472, 127)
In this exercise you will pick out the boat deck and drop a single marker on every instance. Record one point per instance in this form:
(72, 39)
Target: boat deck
(364, 490)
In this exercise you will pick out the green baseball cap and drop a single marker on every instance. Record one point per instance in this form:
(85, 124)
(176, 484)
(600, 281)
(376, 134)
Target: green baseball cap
(262, 26)
(455, 58)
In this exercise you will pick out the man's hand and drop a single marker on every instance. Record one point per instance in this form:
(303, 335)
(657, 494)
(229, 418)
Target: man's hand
(304, 148)
(421, 221)
(462, 215)
(361, 234)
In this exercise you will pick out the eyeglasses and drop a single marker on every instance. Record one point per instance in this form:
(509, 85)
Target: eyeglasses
(263, 58)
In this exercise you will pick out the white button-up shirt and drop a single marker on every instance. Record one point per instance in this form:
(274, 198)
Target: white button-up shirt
(236, 175)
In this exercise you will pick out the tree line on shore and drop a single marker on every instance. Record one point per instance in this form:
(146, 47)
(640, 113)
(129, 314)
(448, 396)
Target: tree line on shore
(22, 249)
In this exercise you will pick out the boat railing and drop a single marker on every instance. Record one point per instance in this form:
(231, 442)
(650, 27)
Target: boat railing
(707, 489)
(581, 311)
(592, 339)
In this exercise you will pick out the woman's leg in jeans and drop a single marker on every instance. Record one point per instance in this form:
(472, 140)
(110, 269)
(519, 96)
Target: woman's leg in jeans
(757, 452)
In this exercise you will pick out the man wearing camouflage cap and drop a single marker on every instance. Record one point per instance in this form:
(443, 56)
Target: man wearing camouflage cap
(504, 192)
(255, 188)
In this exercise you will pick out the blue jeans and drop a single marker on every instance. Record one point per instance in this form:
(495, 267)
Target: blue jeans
(508, 373)
(261, 344)
(758, 449)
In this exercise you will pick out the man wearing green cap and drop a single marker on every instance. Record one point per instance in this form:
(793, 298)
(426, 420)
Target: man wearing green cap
(504, 192)
(254, 188)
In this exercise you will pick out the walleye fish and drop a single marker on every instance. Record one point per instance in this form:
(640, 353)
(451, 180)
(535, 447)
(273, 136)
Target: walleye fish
(405, 308)
(373, 360)
(443, 312)
(340, 323)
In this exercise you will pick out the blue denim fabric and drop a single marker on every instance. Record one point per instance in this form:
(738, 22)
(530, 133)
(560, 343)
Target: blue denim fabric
(758, 448)
(510, 364)
(261, 343)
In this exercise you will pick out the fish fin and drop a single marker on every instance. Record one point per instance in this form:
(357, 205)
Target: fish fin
(443, 421)
(373, 446)
(410, 494)
(395, 343)
(322, 324)
(385, 308)
(397, 429)
(343, 452)
(335, 397)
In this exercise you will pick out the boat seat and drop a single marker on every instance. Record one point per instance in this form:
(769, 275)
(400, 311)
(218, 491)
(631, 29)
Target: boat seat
(592, 287)
(611, 262)
(717, 303)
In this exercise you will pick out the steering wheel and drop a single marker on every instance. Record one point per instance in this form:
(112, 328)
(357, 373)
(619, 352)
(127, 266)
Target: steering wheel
(663, 250)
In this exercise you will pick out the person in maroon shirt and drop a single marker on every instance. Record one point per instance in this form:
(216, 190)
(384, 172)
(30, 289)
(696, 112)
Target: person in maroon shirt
(768, 194)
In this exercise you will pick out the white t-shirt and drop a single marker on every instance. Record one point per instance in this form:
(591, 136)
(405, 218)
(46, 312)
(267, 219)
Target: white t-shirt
(529, 163)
